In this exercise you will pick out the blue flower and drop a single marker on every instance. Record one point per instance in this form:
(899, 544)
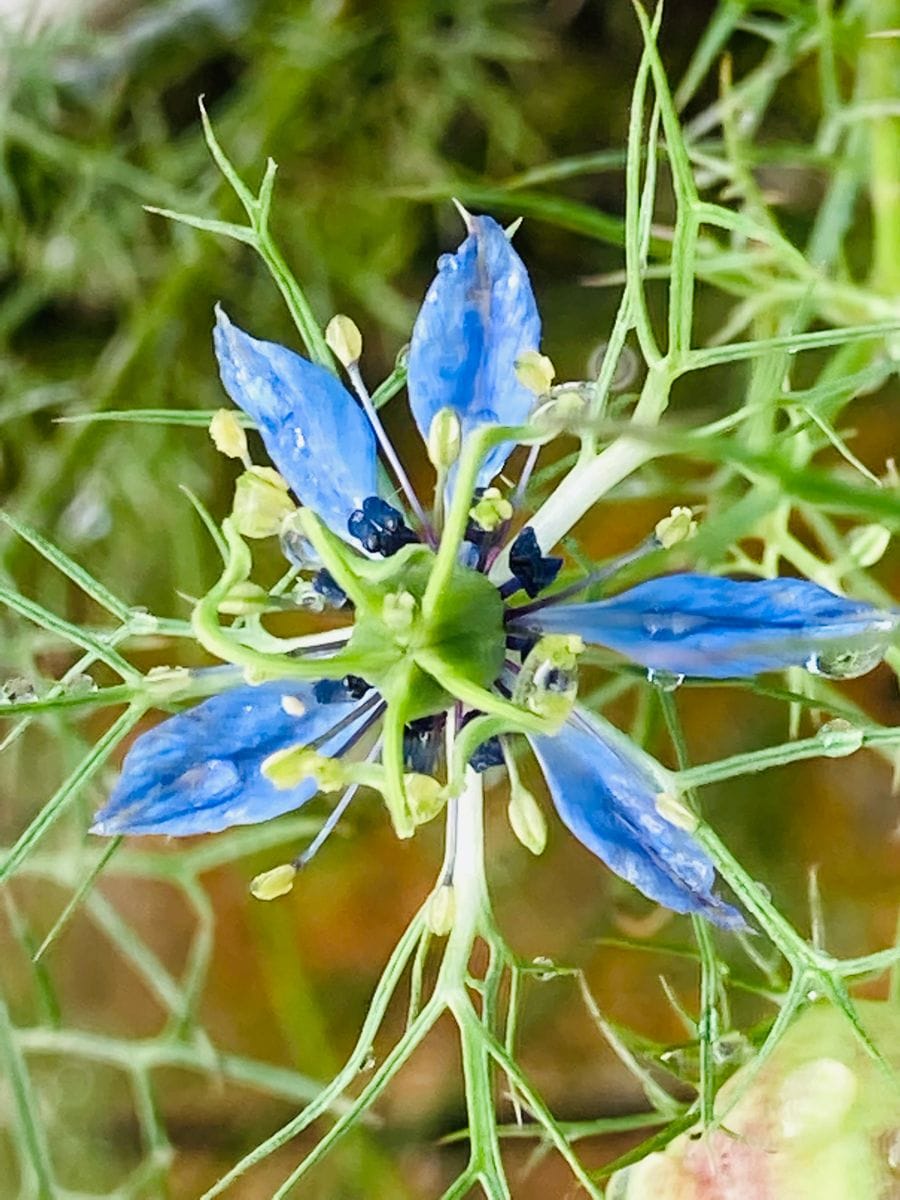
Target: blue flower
(606, 792)
(199, 771)
(478, 317)
(702, 625)
(304, 414)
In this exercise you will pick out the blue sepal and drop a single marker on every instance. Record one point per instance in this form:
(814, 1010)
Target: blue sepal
(704, 625)
(605, 791)
(479, 315)
(199, 771)
(314, 431)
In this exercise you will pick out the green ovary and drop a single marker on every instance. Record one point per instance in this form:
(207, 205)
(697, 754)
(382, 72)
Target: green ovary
(465, 632)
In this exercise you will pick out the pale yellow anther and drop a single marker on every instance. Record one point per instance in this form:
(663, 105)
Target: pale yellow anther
(677, 527)
(491, 510)
(272, 884)
(243, 599)
(444, 439)
(527, 819)
(344, 339)
(441, 910)
(261, 502)
(535, 371)
(425, 796)
(228, 436)
(287, 768)
(673, 809)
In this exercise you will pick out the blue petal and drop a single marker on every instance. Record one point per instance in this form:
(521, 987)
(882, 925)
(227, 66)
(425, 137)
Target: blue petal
(316, 434)
(720, 628)
(478, 317)
(199, 771)
(605, 792)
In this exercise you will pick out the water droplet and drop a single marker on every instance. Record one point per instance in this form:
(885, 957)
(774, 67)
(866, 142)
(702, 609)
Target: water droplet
(17, 689)
(209, 780)
(849, 661)
(666, 681)
(670, 626)
(839, 737)
(81, 685)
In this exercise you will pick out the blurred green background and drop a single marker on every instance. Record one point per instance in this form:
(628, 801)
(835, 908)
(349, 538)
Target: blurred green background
(375, 113)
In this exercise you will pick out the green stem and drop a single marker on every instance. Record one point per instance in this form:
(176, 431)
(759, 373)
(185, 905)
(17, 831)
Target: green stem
(474, 451)
(879, 65)
(223, 643)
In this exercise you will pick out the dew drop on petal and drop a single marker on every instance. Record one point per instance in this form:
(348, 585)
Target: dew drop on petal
(209, 780)
(849, 662)
(670, 626)
(666, 681)
(839, 737)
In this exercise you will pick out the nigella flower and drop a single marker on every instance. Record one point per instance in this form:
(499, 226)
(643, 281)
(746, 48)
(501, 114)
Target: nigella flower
(440, 669)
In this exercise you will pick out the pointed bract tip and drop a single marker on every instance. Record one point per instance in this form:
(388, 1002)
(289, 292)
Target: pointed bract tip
(468, 219)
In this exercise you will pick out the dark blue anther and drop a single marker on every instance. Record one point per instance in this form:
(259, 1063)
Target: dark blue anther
(488, 754)
(533, 570)
(357, 524)
(380, 527)
(334, 691)
(379, 512)
(325, 585)
(521, 643)
(422, 744)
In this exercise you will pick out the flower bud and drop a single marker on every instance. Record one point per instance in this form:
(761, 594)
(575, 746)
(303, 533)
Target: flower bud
(491, 510)
(535, 371)
(818, 1120)
(228, 435)
(272, 884)
(444, 439)
(677, 527)
(527, 819)
(344, 339)
(441, 910)
(261, 502)
(867, 544)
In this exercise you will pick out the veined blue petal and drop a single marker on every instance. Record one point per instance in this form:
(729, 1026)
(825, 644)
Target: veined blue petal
(479, 315)
(199, 771)
(702, 625)
(605, 790)
(316, 434)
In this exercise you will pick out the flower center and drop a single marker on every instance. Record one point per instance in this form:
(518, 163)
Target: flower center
(393, 638)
